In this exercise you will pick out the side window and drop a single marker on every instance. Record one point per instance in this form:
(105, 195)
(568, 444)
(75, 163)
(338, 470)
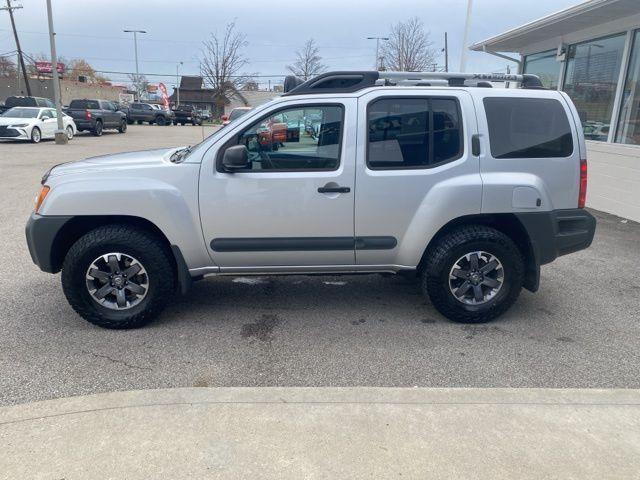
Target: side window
(45, 115)
(528, 128)
(300, 138)
(108, 106)
(413, 132)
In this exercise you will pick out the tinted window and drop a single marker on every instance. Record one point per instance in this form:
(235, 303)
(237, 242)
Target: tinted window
(84, 104)
(18, 112)
(413, 132)
(528, 128)
(20, 102)
(237, 113)
(295, 139)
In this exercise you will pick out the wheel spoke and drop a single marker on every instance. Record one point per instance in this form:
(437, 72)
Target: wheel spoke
(460, 273)
(489, 266)
(113, 263)
(99, 274)
(491, 282)
(473, 261)
(462, 289)
(121, 299)
(477, 293)
(132, 270)
(103, 291)
(135, 288)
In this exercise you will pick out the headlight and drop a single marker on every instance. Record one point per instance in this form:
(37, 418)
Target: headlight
(19, 125)
(40, 197)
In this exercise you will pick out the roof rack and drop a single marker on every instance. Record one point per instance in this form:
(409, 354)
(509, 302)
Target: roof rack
(352, 81)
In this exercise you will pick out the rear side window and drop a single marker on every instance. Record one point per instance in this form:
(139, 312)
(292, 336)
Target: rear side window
(84, 104)
(528, 128)
(413, 132)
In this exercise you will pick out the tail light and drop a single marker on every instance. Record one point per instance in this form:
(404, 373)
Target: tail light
(87, 114)
(582, 192)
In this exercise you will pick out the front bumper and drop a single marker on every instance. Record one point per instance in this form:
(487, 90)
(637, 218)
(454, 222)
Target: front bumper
(13, 134)
(558, 232)
(41, 232)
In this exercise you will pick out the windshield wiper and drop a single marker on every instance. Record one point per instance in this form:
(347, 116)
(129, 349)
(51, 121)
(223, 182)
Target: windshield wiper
(179, 155)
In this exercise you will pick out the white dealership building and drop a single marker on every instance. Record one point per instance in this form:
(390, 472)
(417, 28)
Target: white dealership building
(592, 52)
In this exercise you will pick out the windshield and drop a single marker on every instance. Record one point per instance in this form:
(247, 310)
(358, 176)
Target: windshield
(237, 113)
(21, 112)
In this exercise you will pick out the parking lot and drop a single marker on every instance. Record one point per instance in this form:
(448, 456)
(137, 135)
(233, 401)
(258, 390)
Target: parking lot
(580, 330)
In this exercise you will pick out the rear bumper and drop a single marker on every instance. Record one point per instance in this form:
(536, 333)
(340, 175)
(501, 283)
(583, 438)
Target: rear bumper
(558, 232)
(84, 124)
(41, 232)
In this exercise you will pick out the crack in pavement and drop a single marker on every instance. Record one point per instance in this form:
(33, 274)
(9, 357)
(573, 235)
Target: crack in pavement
(115, 360)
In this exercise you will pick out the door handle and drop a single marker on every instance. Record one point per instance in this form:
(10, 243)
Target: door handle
(337, 189)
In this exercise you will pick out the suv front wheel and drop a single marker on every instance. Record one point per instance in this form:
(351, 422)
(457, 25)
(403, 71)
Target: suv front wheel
(473, 274)
(118, 276)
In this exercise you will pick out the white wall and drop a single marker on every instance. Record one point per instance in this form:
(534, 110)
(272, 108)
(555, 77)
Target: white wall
(614, 178)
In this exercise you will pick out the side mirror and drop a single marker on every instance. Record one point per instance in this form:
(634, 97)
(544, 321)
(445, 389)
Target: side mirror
(235, 158)
(224, 118)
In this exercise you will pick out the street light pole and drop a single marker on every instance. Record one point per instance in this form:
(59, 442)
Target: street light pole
(178, 84)
(61, 136)
(465, 38)
(377, 39)
(135, 48)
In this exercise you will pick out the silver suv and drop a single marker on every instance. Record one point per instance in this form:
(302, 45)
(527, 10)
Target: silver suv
(472, 188)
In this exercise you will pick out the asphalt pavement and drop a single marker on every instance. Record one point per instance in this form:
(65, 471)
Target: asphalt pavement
(580, 330)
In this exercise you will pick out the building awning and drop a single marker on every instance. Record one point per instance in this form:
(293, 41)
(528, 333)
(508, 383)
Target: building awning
(585, 15)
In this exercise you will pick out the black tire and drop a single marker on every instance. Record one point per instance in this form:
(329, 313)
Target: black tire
(129, 122)
(123, 126)
(161, 121)
(136, 242)
(454, 245)
(97, 130)
(139, 122)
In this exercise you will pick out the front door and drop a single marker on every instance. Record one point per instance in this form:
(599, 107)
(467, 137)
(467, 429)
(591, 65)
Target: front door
(49, 123)
(293, 205)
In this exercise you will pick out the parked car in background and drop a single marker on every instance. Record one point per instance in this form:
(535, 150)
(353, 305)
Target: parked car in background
(235, 113)
(205, 114)
(19, 101)
(33, 123)
(186, 114)
(96, 115)
(146, 112)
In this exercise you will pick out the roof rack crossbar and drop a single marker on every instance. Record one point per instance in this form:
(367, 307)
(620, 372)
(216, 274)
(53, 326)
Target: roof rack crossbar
(352, 81)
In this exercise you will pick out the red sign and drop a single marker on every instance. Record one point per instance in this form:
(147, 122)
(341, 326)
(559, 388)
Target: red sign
(45, 67)
(164, 98)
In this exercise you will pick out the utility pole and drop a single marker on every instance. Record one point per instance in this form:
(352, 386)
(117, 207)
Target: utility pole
(178, 84)
(10, 9)
(465, 38)
(61, 136)
(446, 53)
(135, 47)
(377, 39)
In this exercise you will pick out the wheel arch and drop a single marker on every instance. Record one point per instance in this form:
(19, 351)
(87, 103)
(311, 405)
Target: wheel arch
(506, 223)
(78, 226)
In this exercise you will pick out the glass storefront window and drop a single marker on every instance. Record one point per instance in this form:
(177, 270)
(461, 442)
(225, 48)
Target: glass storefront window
(545, 66)
(628, 130)
(591, 78)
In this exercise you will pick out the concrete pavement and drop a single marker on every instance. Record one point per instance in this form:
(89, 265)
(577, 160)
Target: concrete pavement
(326, 433)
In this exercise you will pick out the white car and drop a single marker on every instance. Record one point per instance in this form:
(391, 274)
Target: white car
(34, 124)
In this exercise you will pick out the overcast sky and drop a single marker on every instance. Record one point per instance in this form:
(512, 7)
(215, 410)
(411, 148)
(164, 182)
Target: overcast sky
(92, 29)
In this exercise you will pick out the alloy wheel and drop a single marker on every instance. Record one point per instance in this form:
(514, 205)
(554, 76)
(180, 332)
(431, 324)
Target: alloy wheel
(476, 278)
(117, 281)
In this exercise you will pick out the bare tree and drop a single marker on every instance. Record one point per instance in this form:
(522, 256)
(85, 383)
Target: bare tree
(7, 67)
(408, 48)
(140, 85)
(80, 67)
(308, 62)
(222, 61)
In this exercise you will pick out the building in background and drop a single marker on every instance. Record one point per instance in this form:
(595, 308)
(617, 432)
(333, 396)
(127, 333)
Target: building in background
(592, 52)
(193, 92)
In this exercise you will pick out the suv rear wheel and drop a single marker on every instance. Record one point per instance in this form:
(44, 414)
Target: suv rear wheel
(97, 130)
(161, 121)
(473, 274)
(123, 126)
(118, 276)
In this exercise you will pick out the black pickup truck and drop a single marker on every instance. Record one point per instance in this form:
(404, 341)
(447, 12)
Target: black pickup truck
(96, 115)
(186, 114)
